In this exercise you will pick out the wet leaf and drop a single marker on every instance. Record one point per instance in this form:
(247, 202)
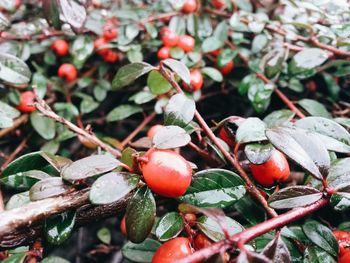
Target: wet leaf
(170, 137)
(314, 254)
(140, 253)
(13, 70)
(59, 228)
(258, 153)
(278, 118)
(157, 83)
(251, 130)
(74, 13)
(179, 110)
(314, 108)
(23, 180)
(46, 188)
(169, 226)
(45, 126)
(179, 68)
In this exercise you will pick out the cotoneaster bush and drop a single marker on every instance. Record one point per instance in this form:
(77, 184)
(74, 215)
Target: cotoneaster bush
(205, 131)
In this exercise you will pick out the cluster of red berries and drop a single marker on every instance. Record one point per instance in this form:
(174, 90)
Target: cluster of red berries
(344, 245)
(276, 169)
(110, 32)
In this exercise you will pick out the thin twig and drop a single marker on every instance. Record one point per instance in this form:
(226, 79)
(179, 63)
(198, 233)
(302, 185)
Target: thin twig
(13, 155)
(18, 122)
(45, 109)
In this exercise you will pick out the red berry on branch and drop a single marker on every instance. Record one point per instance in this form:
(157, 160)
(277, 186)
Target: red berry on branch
(227, 138)
(186, 43)
(100, 42)
(166, 172)
(110, 33)
(111, 56)
(189, 6)
(201, 241)
(196, 79)
(123, 226)
(227, 68)
(169, 38)
(26, 103)
(60, 47)
(276, 169)
(163, 53)
(153, 130)
(219, 4)
(215, 53)
(67, 72)
(172, 250)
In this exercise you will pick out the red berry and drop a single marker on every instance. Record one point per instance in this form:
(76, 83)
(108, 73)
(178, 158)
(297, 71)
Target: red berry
(60, 47)
(219, 4)
(166, 172)
(186, 43)
(215, 53)
(67, 72)
(26, 103)
(276, 169)
(228, 131)
(163, 53)
(227, 68)
(172, 250)
(201, 241)
(110, 33)
(196, 79)
(123, 226)
(169, 38)
(345, 258)
(311, 86)
(189, 6)
(111, 56)
(227, 138)
(18, 3)
(343, 241)
(191, 219)
(99, 42)
(153, 130)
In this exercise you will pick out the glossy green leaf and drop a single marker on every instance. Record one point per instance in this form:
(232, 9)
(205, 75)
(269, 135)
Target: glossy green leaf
(45, 126)
(321, 236)
(140, 215)
(212, 73)
(339, 173)
(294, 196)
(127, 74)
(140, 253)
(278, 118)
(227, 55)
(122, 112)
(314, 254)
(340, 201)
(46, 188)
(112, 187)
(169, 226)
(250, 210)
(179, 110)
(157, 83)
(104, 235)
(251, 130)
(258, 153)
(314, 108)
(170, 137)
(214, 188)
(23, 180)
(89, 166)
(13, 70)
(179, 68)
(59, 228)
(54, 259)
(51, 13)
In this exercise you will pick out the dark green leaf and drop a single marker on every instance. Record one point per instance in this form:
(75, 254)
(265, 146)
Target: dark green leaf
(123, 111)
(258, 153)
(112, 186)
(140, 253)
(104, 235)
(252, 212)
(140, 215)
(23, 180)
(314, 254)
(51, 13)
(179, 68)
(179, 110)
(74, 13)
(59, 228)
(251, 130)
(13, 70)
(294, 196)
(170, 137)
(340, 201)
(227, 55)
(214, 188)
(43, 125)
(169, 226)
(127, 74)
(213, 73)
(89, 166)
(321, 236)
(157, 83)
(46, 188)
(278, 118)
(314, 108)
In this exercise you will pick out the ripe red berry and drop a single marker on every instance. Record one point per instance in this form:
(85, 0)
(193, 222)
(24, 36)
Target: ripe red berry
(166, 172)
(201, 241)
(60, 47)
(99, 42)
(227, 68)
(163, 53)
(153, 130)
(111, 56)
(123, 226)
(110, 33)
(276, 169)
(169, 38)
(196, 79)
(227, 138)
(172, 250)
(26, 103)
(215, 53)
(311, 86)
(219, 4)
(186, 43)
(344, 258)
(67, 72)
(189, 6)
(228, 131)
(18, 3)
(343, 241)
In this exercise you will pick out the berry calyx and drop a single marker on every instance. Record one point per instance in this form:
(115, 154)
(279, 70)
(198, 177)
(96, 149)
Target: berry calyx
(67, 72)
(172, 250)
(227, 68)
(26, 103)
(196, 79)
(98, 43)
(186, 43)
(153, 130)
(123, 226)
(189, 6)
(276, 169)
(60, 47)
(163, 53)
(169, 38)
(166, 172)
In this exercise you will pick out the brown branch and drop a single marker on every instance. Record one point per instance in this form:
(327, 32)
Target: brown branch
(18, 122)
(253, 191)
(132, 135)
(13, 155)
(255, 231)
(22, 225)
(48, 112)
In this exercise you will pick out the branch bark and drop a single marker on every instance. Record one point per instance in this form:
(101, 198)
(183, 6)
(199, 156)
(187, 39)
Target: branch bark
(22, 225)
